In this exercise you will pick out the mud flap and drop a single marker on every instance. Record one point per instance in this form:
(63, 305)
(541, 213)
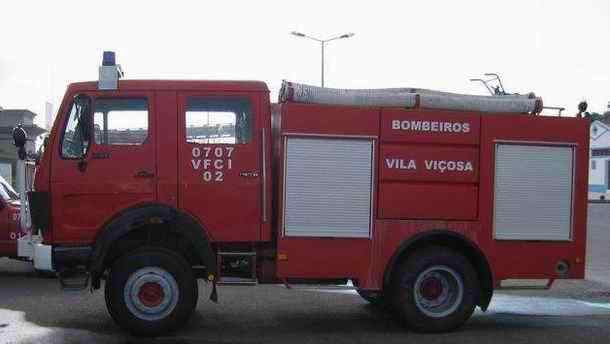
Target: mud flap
(214, 294)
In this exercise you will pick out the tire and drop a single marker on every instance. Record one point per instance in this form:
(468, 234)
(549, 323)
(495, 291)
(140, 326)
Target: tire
(435, 290)
(374, 297)
(151, 291)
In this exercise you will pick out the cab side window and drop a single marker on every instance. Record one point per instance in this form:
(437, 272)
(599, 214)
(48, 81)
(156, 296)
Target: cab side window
(224, 120)
(75, 141)
(120, 121)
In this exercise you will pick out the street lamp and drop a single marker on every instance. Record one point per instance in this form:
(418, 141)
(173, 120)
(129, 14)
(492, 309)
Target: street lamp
(322, 43)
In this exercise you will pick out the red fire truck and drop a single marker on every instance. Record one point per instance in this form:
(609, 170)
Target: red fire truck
(425, 200)
(10, 227)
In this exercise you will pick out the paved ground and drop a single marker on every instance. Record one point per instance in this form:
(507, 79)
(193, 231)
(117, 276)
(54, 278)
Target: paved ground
(32, 310)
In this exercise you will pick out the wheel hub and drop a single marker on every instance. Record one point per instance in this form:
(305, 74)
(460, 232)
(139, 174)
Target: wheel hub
(438, 291)
(431, 288)
(151, 294)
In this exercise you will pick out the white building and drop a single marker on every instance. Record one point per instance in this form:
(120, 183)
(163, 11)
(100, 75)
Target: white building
(599, 166)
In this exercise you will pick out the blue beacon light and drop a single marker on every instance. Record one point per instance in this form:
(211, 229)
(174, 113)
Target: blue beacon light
(108, 58)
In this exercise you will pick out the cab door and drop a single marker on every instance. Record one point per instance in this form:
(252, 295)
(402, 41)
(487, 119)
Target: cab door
(105, 162)
(219, 163)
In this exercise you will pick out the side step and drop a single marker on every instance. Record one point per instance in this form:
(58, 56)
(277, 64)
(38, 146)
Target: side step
(520, 284)
(237, 268)
(73, 279)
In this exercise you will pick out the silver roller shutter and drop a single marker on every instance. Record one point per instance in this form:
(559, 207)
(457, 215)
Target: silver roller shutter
(533, 192)
(328, 186)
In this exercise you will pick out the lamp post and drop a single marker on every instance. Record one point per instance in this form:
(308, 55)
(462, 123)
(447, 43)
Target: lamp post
(322, 44)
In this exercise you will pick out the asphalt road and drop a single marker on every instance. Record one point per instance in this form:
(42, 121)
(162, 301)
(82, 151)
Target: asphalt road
(33, 310)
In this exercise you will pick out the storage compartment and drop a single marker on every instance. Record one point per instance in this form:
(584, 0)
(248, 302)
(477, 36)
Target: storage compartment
(533, 191)
(328, 184)
(428, 201)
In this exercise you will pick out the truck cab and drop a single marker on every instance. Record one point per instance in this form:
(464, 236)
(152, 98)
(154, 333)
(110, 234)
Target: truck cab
(160, 142)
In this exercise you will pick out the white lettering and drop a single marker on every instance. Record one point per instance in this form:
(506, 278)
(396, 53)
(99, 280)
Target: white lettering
(448, 165)
(218, 164)
(229, 151)
(466, 127)
(196, 163)
(401, 164)
(425, 126)
(433, 126)
(196, 152)
(451, 165)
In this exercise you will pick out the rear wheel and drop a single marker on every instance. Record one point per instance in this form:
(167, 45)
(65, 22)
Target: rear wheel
(435, 290)
(151, 291)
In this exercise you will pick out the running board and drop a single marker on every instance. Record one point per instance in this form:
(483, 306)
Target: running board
(310, 286)
(237, 281)
(73, 280)
(516, 284)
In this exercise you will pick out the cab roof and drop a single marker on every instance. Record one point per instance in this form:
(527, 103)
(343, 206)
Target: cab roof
(177, 85)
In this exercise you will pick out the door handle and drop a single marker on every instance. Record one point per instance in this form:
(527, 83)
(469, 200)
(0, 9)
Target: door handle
(144, 174)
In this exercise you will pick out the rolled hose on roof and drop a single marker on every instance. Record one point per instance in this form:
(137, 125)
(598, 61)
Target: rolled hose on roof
(409, 98)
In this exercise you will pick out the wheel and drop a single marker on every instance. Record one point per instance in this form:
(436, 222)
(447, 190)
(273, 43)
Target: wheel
(151, 291)
(435, 290)
(372, 296)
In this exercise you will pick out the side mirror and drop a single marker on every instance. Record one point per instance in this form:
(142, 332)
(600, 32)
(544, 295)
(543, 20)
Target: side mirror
(20, 137)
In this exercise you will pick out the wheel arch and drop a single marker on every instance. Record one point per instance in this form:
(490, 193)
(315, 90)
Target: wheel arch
(136, 217)
(454, 241)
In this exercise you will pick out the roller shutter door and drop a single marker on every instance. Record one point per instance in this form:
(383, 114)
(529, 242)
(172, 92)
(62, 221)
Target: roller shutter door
(328, 187)
(533, 192)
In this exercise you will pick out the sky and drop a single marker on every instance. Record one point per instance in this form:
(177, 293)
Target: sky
(558, 49)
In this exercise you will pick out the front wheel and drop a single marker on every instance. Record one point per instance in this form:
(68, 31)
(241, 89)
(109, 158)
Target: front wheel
(435, 290)
(151, 291)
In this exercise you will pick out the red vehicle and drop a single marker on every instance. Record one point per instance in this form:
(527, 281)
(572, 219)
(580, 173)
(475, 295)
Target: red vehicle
(10, 228)
(425, 200)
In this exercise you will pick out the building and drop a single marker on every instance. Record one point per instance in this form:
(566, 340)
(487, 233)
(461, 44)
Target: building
(599, 166)
(9, 119)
